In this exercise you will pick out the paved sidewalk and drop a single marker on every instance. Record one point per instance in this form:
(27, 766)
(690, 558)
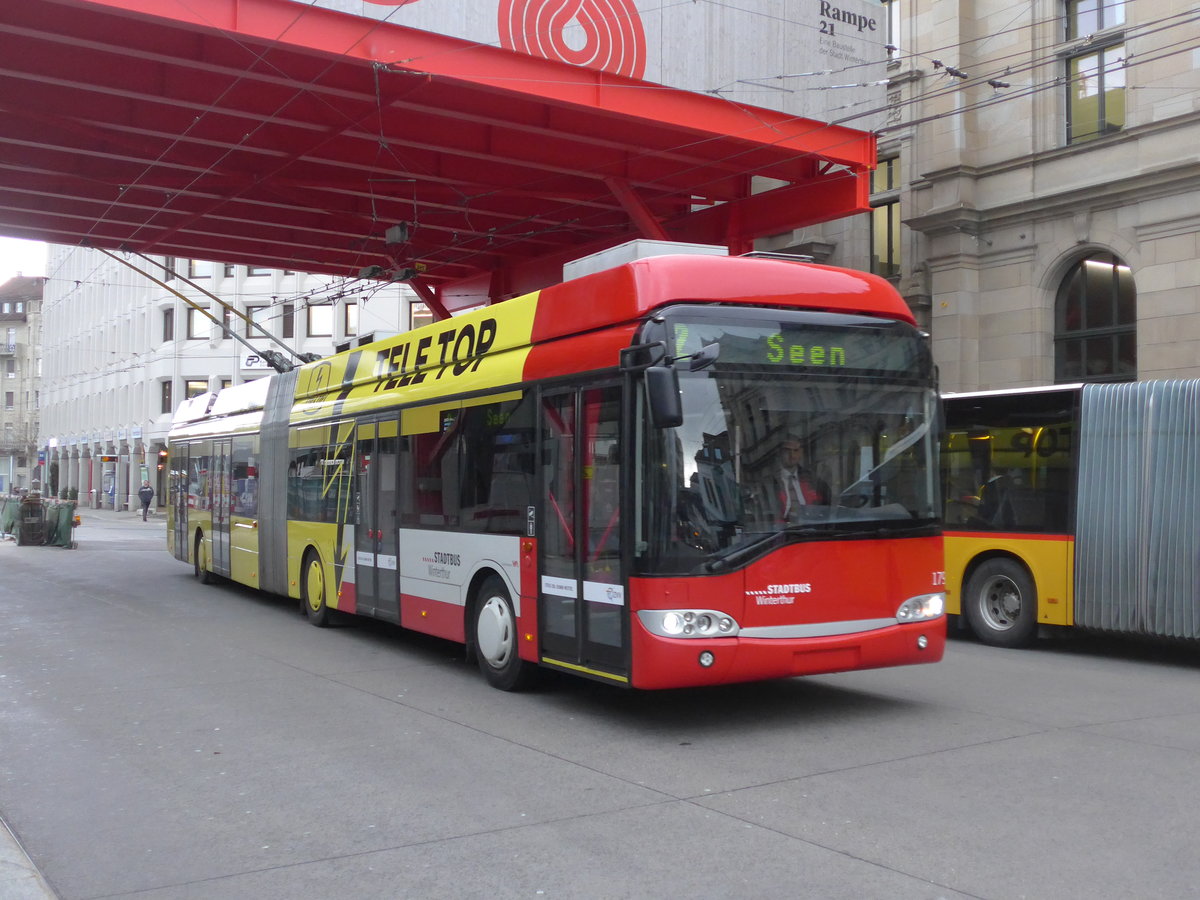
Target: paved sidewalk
(19, 877)
(120, 515)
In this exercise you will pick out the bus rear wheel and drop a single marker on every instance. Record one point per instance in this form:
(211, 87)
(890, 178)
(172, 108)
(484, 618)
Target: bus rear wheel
(495, 635)
(1001, 604)
(200, 561)
(312, 590)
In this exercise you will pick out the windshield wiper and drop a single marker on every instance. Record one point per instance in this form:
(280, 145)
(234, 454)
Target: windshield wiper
(854, 492)
(760, 545)
(852, 529)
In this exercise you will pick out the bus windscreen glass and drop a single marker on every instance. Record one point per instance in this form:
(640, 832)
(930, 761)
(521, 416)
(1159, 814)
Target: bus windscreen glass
(841, 444)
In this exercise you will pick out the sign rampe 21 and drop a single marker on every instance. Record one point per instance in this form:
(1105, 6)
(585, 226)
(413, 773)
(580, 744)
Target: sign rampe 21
(831, 14)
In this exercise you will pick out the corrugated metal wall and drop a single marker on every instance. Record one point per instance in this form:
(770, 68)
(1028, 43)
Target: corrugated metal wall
(1137, 562)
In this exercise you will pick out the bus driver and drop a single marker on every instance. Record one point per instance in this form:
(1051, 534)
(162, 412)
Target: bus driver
(796, 485)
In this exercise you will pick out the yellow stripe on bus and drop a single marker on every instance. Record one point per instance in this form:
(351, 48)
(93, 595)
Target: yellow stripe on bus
(584, 669)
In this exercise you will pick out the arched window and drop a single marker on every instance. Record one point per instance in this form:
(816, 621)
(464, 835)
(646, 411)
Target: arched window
(1095, 335)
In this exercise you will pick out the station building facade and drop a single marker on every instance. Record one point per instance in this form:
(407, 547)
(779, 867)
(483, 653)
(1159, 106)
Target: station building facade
(121, 352)
(20, 363)
(1037, 199)
(1048, 187)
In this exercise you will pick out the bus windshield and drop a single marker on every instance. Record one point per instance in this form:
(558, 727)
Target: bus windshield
(771, 452)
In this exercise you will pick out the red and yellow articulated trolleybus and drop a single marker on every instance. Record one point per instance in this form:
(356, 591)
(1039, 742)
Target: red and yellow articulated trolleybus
(590, 478)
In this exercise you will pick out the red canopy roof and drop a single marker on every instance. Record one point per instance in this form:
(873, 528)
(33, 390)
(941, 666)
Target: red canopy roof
(277, 134)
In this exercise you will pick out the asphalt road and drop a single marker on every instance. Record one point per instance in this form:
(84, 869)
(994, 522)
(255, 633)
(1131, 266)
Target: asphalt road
(164, 739)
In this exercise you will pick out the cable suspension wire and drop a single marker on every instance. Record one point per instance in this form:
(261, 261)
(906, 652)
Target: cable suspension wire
(922, 99)
(249, 320)
(509, 236)
(271, 357)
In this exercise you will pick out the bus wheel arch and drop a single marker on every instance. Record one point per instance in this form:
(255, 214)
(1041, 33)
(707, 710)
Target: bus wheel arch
(493, 634)
(1000, 601)
(200, 558)
(314, 591)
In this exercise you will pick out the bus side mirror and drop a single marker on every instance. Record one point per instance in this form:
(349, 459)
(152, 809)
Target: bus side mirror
(661, 379)
(662, 396)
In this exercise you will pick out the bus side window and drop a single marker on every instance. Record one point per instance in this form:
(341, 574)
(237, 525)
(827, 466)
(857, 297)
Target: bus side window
(303, 484)
(497, 466)
(428, 468)
(200, 469)
(245, 477)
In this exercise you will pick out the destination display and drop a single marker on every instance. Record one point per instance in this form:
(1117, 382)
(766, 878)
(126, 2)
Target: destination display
(867, 347)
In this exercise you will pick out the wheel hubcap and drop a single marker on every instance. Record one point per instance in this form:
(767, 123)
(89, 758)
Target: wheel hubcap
(316, 586)
(1001, 603)
(494, 632)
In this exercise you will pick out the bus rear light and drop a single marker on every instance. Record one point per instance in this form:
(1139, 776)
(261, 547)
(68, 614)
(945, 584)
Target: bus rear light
(921, 609)
(688, 623)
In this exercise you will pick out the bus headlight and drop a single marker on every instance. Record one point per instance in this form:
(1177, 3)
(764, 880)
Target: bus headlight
(921, 609)
(688, 623)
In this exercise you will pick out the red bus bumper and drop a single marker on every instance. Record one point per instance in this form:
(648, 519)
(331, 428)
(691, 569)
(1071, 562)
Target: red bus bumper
(661, 662)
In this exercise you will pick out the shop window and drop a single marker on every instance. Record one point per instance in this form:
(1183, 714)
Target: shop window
(1086, 17)
(885, 219)
(419, 314)
(319, 321)
(1095, 94)
(1095, 72)
(891, 15)
(198, 324)
(1096, 322)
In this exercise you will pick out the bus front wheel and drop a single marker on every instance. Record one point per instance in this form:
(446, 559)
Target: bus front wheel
(312, 590)
(495, 636)
(200, 561)
(1001, 604)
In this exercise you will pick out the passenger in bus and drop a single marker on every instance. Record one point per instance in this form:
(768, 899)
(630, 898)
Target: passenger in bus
(796, 485)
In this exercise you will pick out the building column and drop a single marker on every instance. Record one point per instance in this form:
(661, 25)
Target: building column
(109, 478)
(89, 477)
(159, 476)
(77, 460)
(126, 468)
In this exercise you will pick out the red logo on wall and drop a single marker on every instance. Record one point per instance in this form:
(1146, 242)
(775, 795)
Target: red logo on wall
(599, 34)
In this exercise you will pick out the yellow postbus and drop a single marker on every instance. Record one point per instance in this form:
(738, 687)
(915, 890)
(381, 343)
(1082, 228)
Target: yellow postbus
(1073, 505)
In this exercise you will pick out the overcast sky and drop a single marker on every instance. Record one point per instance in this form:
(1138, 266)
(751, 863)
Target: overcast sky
(21, 258)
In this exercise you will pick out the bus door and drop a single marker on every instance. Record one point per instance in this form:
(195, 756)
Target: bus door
(222, 497)
(375, 543)
(180, 467)
(583, 616)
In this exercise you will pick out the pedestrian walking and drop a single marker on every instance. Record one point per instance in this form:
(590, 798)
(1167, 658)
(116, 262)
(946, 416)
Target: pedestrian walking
(145, 494)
